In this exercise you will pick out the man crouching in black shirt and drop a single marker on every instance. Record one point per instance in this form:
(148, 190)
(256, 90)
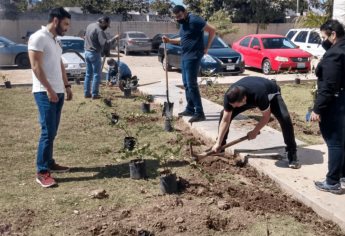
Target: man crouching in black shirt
(251, 92)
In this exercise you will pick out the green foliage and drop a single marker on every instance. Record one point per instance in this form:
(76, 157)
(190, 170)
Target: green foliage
(221, 20)
(162, 7)
(13, 7)
(311, 20)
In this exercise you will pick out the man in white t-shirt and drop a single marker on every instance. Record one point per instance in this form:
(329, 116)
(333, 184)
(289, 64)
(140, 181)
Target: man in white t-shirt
(49, 84)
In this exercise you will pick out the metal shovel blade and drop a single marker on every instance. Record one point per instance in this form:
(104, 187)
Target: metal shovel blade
(168, 109)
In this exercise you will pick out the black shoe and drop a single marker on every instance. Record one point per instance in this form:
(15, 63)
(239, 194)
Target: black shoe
(96, 96)
(197, 118)
(185, 113)
(294, 165)
(87, 96)
(332, 188)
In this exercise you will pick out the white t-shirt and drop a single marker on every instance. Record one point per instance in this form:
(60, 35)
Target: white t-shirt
(43, 41)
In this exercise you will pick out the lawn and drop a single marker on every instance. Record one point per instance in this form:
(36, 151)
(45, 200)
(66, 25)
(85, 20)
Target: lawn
(297, 97)
(214, 199)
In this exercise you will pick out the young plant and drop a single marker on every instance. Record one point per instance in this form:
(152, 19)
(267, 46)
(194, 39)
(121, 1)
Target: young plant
(4, 77)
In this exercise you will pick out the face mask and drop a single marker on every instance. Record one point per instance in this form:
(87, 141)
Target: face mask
(326, 44)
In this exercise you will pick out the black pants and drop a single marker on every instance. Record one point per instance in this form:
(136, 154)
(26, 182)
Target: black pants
(332, 127)
(280, 111)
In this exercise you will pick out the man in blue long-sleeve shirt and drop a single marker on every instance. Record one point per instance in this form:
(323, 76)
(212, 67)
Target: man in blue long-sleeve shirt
(117, 70)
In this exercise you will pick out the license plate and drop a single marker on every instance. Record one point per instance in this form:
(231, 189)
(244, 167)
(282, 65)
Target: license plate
(300, 65)
(75, 72)
(231, 67)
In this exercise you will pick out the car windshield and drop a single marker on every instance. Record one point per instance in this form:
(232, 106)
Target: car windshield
(76, 45)
(278, 43)
(6, 41)
(137, 35)
(217, 42)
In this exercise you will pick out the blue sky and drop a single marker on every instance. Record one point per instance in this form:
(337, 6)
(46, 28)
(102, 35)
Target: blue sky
(178, 2)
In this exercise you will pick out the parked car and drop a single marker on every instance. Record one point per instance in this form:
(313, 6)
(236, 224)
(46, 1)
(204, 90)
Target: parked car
(12, 53)
(134, 41)
(271, 52)
(157, 40)
(73, 56)
(220, 59)
(308, 40)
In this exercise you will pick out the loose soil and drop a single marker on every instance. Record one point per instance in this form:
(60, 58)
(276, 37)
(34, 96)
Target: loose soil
(215, 198)
(297, 98)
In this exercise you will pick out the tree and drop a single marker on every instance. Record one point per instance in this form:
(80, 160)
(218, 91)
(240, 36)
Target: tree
(96, 6)
(162, 7)
(321, 12)
(193, 6)
(13, 7)
(221, 20)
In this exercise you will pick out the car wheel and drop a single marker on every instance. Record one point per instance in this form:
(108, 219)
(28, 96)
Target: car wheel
(164, 65)
(266, 67)
(148, 53)
(23, 61)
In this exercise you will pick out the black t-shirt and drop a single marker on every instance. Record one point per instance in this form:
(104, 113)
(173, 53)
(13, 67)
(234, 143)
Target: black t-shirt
(259, 92)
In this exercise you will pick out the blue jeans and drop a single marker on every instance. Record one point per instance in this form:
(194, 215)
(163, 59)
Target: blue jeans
(93, 72)
(190, 69)
(332, 128)
(49, 117)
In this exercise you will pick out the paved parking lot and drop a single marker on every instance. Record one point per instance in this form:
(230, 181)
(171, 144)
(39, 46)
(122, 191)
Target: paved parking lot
(149, 69)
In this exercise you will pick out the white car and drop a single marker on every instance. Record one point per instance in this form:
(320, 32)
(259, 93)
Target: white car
(73, 56)
(308, 39)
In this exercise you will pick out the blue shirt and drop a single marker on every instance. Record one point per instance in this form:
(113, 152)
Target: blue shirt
(125, 72)
(192, 37)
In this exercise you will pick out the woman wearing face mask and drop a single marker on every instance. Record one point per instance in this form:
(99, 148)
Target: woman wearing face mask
(329, 107)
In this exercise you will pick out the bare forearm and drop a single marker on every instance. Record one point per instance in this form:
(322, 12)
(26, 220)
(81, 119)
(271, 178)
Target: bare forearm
(175, 41)
(223, 128)
(64, 75)
(211, 37)
(264, 120)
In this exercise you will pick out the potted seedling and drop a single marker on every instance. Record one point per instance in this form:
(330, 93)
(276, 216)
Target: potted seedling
(137, 164)
(146, 103)
(7, 83)
(168, 179)
(127, 85)
(77, 80)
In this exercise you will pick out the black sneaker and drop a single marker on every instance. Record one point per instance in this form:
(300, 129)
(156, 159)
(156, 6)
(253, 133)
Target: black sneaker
(332, 188)
(294, 165)
(185, 113)
(293, 161)
(197, 118)
(96, 96)
(87, 96)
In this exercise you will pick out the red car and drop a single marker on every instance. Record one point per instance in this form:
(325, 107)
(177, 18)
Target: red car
(271, 52)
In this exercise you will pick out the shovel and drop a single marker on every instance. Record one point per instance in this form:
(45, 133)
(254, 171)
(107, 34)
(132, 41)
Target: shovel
(199, 157)
(168, 106)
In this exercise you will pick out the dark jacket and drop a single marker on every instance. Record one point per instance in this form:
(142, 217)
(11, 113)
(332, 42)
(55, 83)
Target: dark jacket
(331, 75)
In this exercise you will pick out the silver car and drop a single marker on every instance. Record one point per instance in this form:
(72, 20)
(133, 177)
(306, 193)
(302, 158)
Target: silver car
(135, 41)
(73, 56)
(12, 53)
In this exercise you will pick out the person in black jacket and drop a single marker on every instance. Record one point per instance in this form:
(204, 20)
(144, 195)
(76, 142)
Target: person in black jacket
(329, 107)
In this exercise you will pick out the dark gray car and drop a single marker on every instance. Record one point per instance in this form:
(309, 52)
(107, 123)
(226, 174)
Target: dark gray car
(12, 53)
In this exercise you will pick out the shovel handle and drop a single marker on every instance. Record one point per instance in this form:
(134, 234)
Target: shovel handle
(166, 71)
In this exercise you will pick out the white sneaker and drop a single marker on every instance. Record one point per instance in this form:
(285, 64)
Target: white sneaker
(342, 182)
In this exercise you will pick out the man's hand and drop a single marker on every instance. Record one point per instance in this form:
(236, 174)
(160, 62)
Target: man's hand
(315, 117)
(165, 39)
(52, 96)
(69, 94)
(252, 134)
(216, 147)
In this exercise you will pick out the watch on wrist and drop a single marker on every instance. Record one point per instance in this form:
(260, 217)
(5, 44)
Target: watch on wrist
(68, 86)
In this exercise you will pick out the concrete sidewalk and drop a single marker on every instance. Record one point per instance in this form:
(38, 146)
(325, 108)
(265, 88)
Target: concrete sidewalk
(259, 152)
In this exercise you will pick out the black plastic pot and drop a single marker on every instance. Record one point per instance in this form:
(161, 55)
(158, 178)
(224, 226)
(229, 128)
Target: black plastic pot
(137, 169)
(107, 102)
(209, 82)
(297, 80)
(168, 125)
(114, 118)
(129, 143)
(8, 84)
(127, 92)
(168, 183)
(77, 81)
(145, 107)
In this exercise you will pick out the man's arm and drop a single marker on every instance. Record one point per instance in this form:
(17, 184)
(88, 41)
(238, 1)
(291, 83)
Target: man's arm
(266, 115)
(103, 41)
(211, 30)
(36, 61)
(165, 39)
(223, 128)
(65, 82)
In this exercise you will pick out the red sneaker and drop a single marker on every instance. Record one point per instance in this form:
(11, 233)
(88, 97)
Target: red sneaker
(56, 168)
(45, 180)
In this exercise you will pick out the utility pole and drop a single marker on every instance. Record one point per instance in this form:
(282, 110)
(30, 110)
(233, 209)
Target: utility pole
(297, 9)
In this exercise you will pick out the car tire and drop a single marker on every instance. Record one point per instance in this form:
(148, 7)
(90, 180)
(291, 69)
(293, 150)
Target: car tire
(168, 67)
(266, 67)
(148, 53)
(22, 60)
